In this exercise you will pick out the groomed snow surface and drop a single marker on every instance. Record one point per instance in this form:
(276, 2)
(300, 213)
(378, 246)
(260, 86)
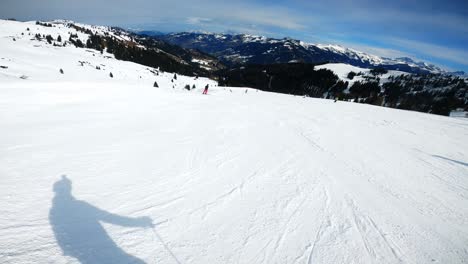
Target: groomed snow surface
(88, 163)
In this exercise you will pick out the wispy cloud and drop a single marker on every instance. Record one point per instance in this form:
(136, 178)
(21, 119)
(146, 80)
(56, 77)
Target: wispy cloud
(397, 17)
(247, 14)
(265, 16)
(442, 52)
(198, 20)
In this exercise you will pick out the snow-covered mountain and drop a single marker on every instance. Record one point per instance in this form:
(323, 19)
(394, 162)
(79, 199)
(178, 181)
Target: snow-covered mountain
(101, 168)
(258, 49)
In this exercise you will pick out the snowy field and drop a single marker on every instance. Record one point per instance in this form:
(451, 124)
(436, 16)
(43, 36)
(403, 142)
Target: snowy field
(96, 169)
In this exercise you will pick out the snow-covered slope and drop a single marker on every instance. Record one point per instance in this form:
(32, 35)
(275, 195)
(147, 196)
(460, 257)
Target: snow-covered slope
(24, 57)
(237, 176)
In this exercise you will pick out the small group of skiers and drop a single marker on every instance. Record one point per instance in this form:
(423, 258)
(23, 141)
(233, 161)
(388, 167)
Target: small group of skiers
(205, 91)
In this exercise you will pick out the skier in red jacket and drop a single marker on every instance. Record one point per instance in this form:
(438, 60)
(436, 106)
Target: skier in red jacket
(206, 90)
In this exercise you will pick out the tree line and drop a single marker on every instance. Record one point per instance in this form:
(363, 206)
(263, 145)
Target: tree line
(430, 93)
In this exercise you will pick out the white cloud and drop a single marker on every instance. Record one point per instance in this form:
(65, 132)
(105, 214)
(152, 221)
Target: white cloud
(244, 14)
(198, 20)
(266, 17)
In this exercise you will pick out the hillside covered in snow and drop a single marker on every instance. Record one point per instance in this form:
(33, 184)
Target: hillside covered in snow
(98, 165)
(28, 55)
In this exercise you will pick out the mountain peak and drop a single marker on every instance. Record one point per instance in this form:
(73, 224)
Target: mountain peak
(263, 50)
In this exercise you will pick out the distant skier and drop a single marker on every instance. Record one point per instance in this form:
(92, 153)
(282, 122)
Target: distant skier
(205, 91)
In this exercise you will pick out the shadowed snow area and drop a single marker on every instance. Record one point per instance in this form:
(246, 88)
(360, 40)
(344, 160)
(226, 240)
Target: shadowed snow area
(77, 228)
(167, 175)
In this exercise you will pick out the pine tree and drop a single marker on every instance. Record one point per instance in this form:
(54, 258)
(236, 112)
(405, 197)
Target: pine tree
(49, 39)
(351, 75)
(59, 39)
(155, 84)
(111, 75)
(79, 44)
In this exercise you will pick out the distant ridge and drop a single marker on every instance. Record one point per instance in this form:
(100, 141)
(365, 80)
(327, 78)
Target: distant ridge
(252, 49)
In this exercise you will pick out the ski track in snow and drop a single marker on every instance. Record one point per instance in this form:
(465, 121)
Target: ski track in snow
(232, 177)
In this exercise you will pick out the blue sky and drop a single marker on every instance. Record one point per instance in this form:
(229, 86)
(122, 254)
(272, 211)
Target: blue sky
(429, 30)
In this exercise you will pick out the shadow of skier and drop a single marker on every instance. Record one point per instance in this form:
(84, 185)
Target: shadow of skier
(79, 233)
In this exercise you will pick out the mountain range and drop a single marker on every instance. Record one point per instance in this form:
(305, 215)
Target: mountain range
(249, 49)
